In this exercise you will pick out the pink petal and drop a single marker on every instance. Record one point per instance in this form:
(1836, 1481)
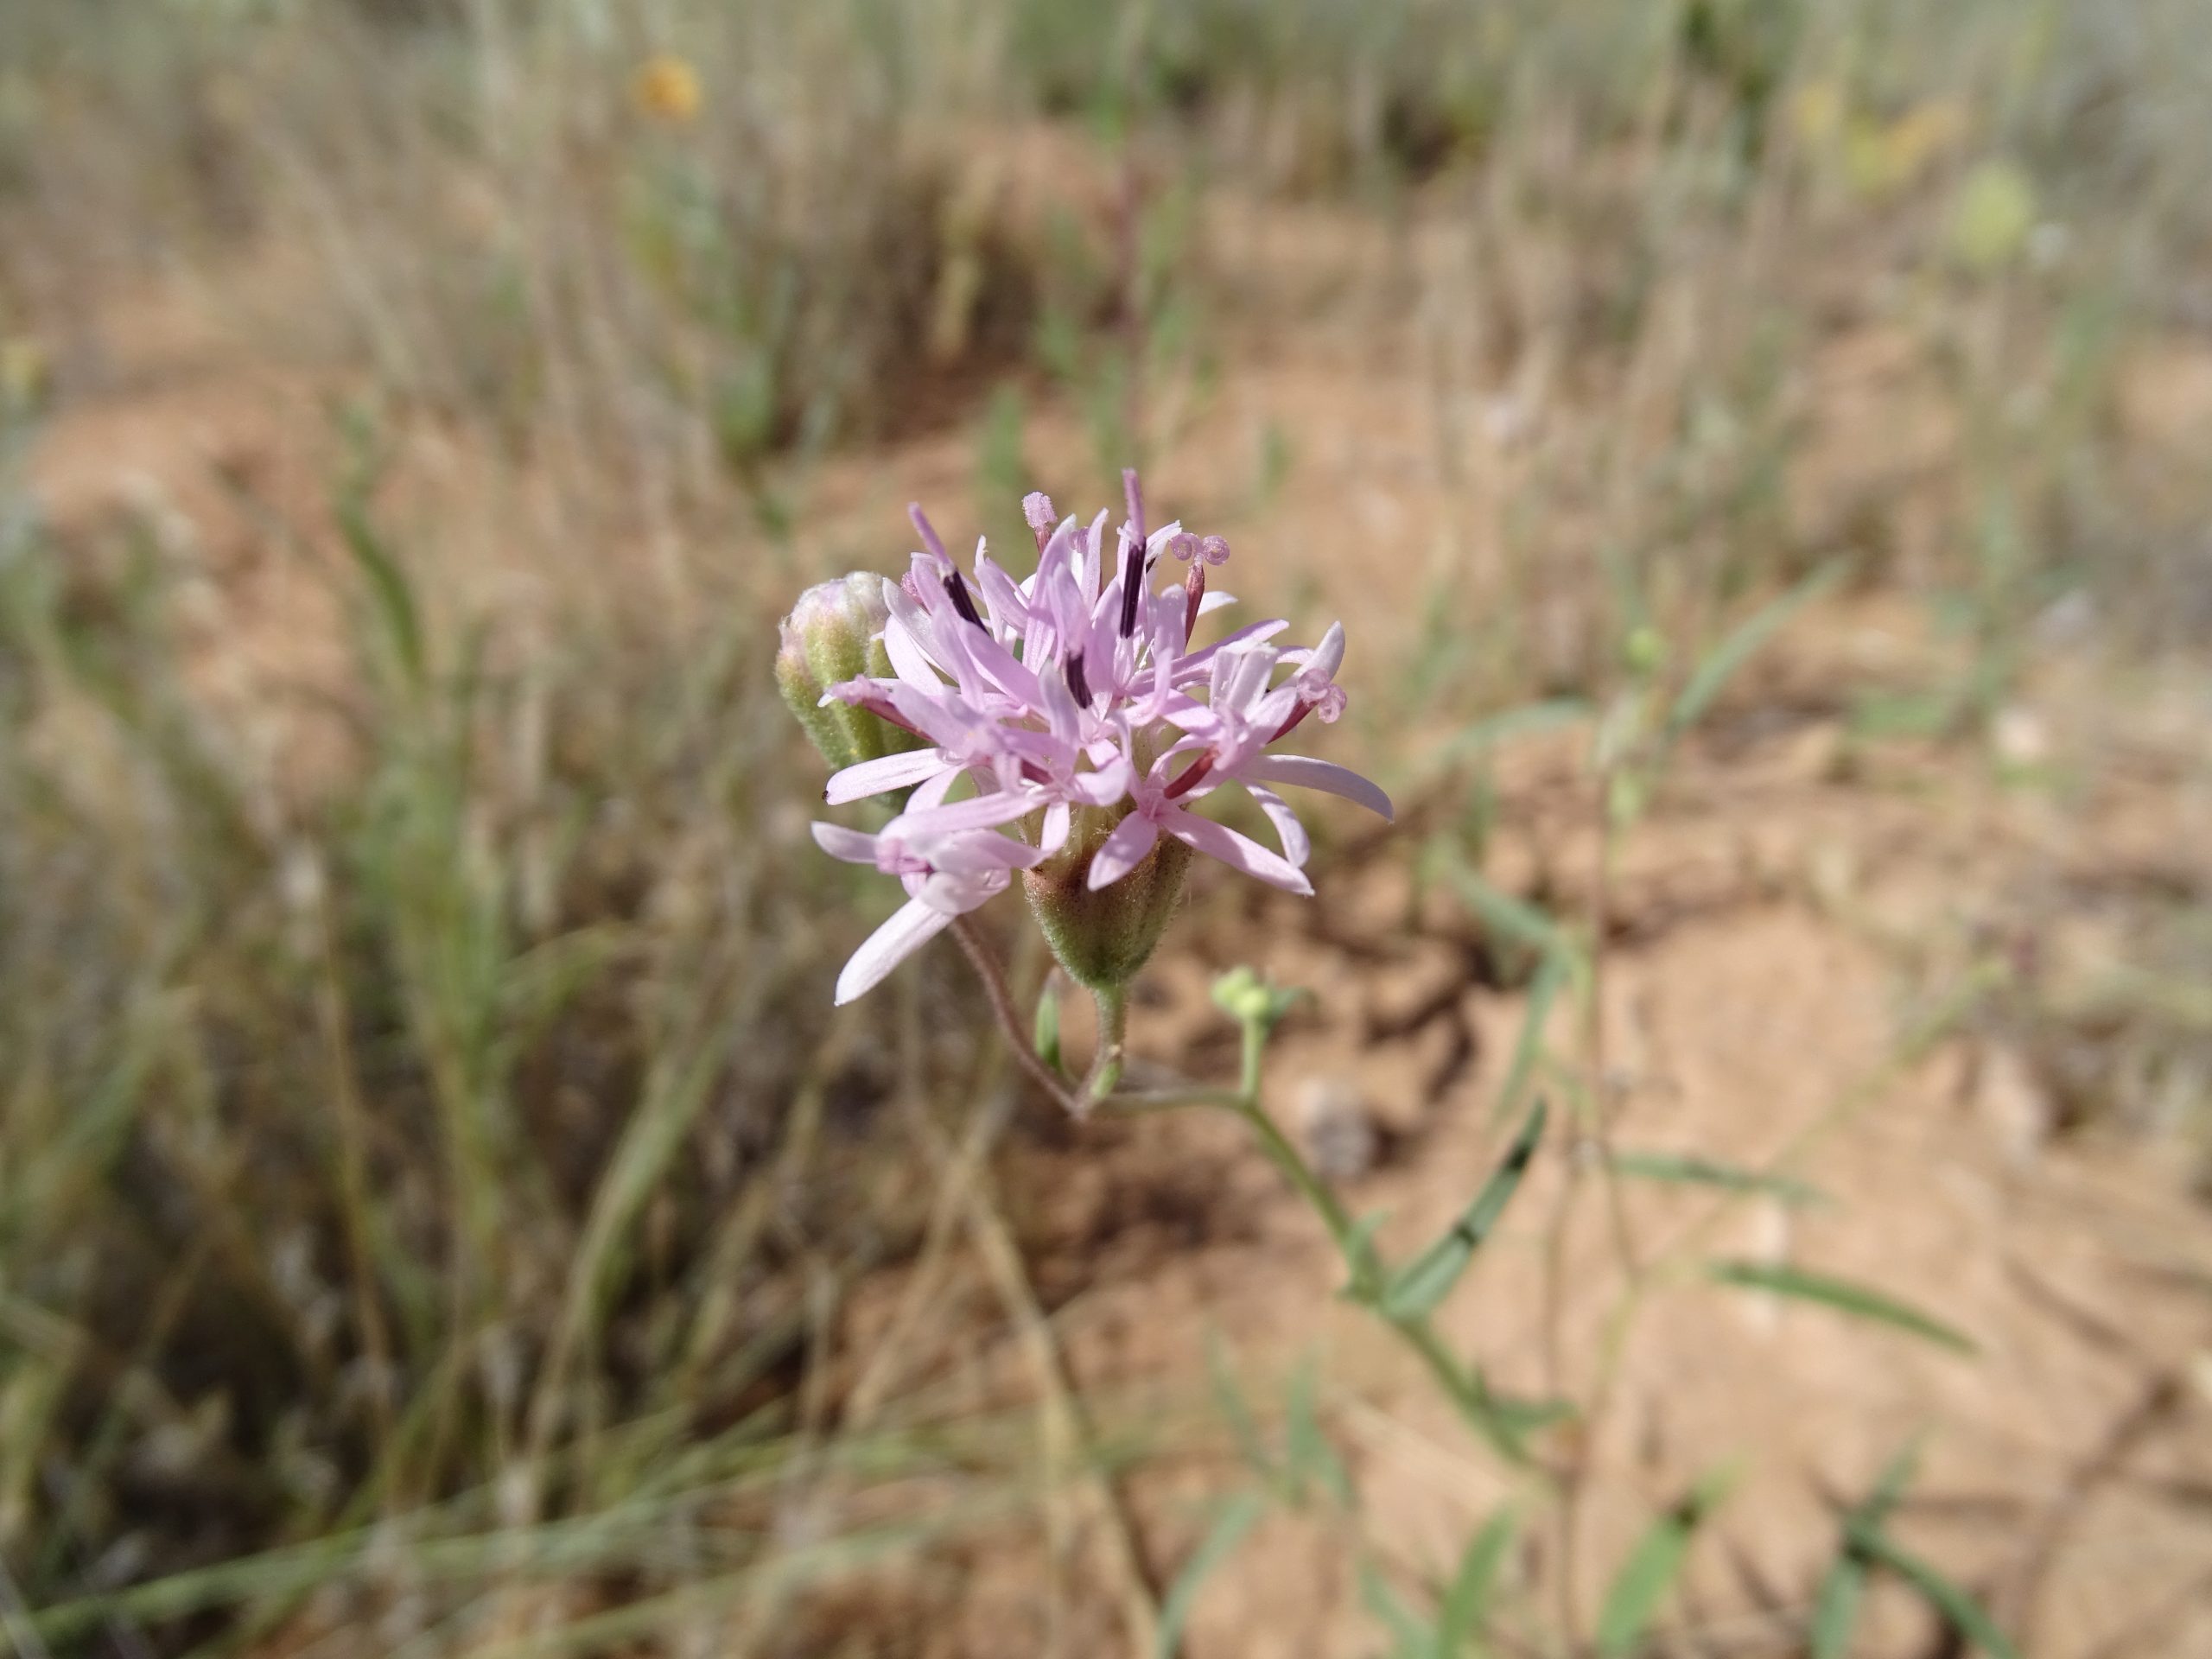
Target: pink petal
(1194, 666)
(1086, 568)
(983, 812)
(1058, 818)
(908, 660)
(1239, 852)
(866, 777)
(957, 891)
(1123, 851)
(1297, 847)
(1304, 772)
(983, 854)
(911, 926)
(932, 791)
(1104, 786)
(851, 845)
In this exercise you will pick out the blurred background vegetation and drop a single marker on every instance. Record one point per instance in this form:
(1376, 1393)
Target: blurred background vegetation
(432, 1182)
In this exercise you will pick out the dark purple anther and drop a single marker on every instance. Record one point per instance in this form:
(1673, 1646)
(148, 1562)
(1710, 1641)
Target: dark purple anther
(1078, 688)
(962, 602)
(1133, 559)
(1131, 586)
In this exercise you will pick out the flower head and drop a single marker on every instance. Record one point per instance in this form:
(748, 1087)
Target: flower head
(667, 87)
(1086, 730)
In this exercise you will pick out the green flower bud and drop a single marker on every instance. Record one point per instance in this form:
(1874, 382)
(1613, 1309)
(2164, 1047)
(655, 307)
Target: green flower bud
(1101, 938)
(834, 633)
(1248, 999)
(1645, 651)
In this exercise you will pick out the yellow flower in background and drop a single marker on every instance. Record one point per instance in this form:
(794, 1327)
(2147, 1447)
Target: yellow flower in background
(1881, 158)
(1817, 112)
(1993, 216)
(24, 373)
(667, 88)
(1922, 134)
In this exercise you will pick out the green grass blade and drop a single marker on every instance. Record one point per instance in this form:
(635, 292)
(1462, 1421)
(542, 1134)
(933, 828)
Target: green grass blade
(1835, 1610)
(1641, 1584)
(1524, 1417)
(1511, 918)
(1958, 1609)
(1890, 1484)
(1529, 1046)
(1237, 1517)
(1466, 1605)
(1306, 1448)
(1425, 1282)
(399, 617)
(1687, 1169)
(1237, 1411)
(1411, 1638)
(1843, 1296)
(1742, 642)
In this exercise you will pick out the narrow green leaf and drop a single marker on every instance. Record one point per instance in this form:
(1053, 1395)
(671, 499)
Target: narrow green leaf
(1641, 1584)
(1413, 1639)
(392, 592)
(1842, 1296)
(1958, 1609)
(1529, 1048)
(1360, 1254)
(1524, 1417)
(1306, 1448)
(1243, 1427)
(1045, 1036)
(1517, 920)
(1835, 1610)
(1429, 1277)
(1741, 643)
(1466, 1605)
(1689, 1169)
(1889, 1485)
(1237, 1517)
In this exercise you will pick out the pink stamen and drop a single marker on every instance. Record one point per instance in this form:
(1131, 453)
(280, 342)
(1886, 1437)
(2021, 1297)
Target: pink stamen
(1191, 776)
(1291, 725)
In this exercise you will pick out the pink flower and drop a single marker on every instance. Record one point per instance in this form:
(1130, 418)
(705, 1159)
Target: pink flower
(1072, 695)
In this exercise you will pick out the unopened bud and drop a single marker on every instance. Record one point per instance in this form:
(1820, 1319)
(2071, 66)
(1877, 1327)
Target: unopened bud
(834, 633)
(1249, 999)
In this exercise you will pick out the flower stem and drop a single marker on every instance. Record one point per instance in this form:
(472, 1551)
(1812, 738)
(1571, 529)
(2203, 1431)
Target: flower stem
(1465, 1387)
(1105, 1074)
